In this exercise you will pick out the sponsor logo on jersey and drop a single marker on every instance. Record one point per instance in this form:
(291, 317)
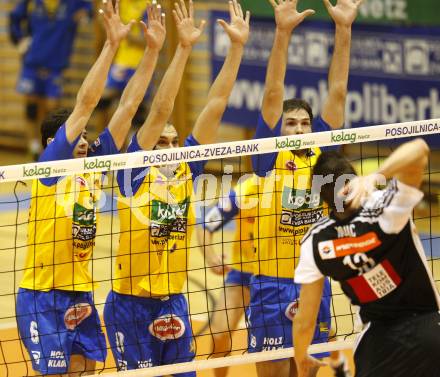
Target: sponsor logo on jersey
(376, 283)
(81, 181)
(168, 218)
(167, 327)
(300, 218)
(300, 199)
(349, 245)
(84, 224)
(77, 314)
(291, 310)
(2, 175)
(33, 328)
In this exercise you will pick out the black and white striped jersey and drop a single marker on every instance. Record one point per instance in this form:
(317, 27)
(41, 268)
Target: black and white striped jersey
(376, 255)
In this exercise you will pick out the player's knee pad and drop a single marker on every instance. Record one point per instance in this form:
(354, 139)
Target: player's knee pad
(31, 111)
(104, 103)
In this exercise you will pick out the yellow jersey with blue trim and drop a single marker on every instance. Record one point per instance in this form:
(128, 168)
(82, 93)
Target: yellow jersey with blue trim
(61, 234)
(157, 222)
(243, 257)
(130, 53)
(287, 208)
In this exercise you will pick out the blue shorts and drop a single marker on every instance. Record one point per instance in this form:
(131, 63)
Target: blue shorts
(145, 332)
(273, 305)
(237, 278)
(40, 82)
(119, 77)
(57, 324)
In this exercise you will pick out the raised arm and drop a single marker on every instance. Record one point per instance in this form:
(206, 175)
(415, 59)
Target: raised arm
(163, 102)
(343, 14)
(304, 325)
(135, 90)
(205, 129)
(93, 85)
(287, 18)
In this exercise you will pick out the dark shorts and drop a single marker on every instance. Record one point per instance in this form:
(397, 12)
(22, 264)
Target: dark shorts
(409, 347)
(146, 332)
(57, 324)
(40, 82)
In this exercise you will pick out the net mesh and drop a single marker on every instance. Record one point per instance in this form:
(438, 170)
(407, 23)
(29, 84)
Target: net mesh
(216, 307)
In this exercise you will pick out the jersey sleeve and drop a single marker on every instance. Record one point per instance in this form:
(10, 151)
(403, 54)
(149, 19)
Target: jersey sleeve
(264, 163)
(222, 213)
(307, 272)
(58, 149)
(130, 180)
(103, 145)
(197, 167)
(16, 17)
(393, 206)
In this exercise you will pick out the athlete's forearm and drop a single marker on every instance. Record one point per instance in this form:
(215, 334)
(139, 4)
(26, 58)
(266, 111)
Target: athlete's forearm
(205, 129)
(272, 107)
(132, 96)
(334, 107)
(407, 163)
(163, 102)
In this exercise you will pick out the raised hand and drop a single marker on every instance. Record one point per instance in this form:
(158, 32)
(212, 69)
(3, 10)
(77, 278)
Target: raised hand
(238, 28)
(344, 12)
(155, 31)
(188, 32)
(287, 16)
(115, 29)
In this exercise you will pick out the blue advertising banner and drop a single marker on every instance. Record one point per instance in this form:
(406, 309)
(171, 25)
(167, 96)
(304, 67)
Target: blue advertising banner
(394, 73)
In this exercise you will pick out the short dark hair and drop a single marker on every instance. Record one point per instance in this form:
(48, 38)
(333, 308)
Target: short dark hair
(53, 121)
(295, 104)
(335, 163)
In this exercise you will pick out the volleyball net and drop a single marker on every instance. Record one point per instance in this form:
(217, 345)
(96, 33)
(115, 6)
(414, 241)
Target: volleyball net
(95, 230)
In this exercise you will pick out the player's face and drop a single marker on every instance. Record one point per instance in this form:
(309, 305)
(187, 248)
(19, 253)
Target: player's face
(168, 139)
(296, 122)
(81, 147)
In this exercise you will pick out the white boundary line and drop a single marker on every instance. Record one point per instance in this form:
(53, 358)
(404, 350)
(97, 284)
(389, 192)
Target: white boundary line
(248, 358)
(215, 151)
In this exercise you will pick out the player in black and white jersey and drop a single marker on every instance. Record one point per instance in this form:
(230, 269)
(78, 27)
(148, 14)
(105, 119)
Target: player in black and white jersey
(370, 245)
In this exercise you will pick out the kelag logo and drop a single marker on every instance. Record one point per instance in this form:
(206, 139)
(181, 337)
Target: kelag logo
(32, 172)
(288, 143)
(166, 213)
(343, 136)
(97, 164)
(300, 199)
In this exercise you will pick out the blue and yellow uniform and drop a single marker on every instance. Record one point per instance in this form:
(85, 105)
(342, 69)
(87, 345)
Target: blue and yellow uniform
(239, 204)
(146, 313)
(287, 207)
(129, 53)
(55, 311)
(52, 26)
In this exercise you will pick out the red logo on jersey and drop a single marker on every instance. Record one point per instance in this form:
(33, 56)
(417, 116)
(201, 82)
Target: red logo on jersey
(290, 165)
(167, 327)
(291, 310)
(81, 181)
(76, 314)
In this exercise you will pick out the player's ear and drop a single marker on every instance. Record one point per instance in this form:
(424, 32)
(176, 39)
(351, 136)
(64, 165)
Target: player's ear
(49, 140)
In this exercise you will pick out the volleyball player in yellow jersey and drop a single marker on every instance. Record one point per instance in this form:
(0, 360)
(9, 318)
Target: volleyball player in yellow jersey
(57, 320)
(240, 204)
(146, 313)
(287, 207)
(127, 58)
